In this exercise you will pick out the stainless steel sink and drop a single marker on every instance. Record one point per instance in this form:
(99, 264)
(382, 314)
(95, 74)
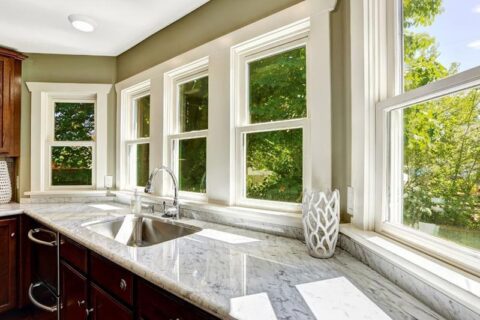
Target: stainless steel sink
(141, 231)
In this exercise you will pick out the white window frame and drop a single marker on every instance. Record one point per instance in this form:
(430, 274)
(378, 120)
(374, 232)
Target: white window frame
(285, 39)
(42, 139)
(388, 145)
(172, 81)
(125, 131)
(51, 142)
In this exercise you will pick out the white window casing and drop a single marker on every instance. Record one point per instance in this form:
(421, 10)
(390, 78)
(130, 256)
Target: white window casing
(377, 143)
(126, 138)
(173, 79)
(44, 95)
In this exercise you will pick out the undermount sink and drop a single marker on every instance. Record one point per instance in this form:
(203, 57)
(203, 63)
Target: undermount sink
(141, 231)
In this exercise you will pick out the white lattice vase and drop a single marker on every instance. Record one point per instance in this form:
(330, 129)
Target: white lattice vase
(5, 185)
(321, 222)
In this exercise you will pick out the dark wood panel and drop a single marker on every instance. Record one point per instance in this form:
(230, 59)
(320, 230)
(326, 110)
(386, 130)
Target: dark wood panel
(154, 303)
(10, 102)
(8, 264)
(112, 278)
(24, 261)
(104, 307)
(74, 293)
(74, 253)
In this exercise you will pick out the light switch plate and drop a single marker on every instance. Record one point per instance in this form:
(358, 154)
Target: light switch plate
(108, 181)
(350, 200)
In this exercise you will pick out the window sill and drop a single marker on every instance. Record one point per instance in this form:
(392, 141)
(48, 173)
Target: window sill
(289, 219)
(453, 282)
(69, 193)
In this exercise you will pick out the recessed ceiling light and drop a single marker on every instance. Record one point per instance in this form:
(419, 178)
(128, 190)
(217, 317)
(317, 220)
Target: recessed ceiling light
(82, 23)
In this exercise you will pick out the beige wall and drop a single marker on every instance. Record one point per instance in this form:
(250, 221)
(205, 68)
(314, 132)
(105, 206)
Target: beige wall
(212, 20)
(64, 68)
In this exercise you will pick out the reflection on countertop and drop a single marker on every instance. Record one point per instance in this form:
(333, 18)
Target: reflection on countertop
(240, 274)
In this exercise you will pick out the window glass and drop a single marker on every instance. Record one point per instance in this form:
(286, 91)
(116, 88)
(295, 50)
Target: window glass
(74, 121)
(141, 117)
(274, 165)
(277, 87)
(193, 105)
(71, 166)
(441, 167)
(440, 38)
(139, 157)
(192, 164)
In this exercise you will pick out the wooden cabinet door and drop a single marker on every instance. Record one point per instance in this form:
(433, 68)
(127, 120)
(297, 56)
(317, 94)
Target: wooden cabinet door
(8, 264)
(5, 87)
(74, 293)
(104, 307)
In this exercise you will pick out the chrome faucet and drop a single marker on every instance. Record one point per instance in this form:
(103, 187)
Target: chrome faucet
(170, 212)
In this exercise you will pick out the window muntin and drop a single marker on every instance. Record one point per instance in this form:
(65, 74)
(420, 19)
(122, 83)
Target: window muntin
(439, 40)
(271, 127)
(138, 141)
(277, 87)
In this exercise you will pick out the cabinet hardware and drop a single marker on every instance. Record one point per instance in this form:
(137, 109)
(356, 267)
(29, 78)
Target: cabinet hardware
(12, 235)
(80, 303)
(89, 311)
(123, 285)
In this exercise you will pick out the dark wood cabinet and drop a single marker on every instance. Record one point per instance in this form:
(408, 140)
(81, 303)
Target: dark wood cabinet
(8, 264)
(111, 277)
(74, 293)
(10, 92)
(156, 304)
(102, 306)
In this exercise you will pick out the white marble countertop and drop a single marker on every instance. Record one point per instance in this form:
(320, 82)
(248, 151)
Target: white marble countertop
(240, 274)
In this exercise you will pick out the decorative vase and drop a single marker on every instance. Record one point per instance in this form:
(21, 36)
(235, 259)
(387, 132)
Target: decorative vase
(321, 222)
(5, 185)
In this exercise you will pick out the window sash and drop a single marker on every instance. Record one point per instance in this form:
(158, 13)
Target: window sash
(131, 165)
(173, 143)
(244, 126)
(48, 164)
(175, 129)
(389, 153)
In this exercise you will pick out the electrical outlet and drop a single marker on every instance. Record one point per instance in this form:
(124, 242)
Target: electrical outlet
(350, 200)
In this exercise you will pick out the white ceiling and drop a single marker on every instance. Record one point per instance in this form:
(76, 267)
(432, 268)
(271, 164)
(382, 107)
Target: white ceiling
(42, 26)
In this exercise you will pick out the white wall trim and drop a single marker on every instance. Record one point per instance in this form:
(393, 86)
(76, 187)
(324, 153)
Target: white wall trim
(42, 93)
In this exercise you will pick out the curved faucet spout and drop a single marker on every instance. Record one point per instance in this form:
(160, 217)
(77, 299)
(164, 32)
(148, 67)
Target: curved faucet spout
(149, 187)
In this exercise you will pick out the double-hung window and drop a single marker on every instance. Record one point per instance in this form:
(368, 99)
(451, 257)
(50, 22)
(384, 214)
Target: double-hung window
(428, 131)
(72, 148)
(187, 127)
(271, 120)
(137, 143)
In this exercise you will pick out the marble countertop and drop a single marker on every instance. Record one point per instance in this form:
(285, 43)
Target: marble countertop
(239, 274)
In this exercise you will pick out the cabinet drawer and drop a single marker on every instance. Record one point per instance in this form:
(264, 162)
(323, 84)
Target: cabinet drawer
(102, 306)
(74, 253)
(112, 278)
(156, 304)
